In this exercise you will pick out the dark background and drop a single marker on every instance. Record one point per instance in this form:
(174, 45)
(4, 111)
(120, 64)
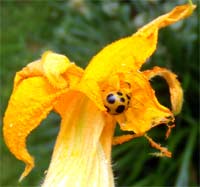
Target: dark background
(79, 29)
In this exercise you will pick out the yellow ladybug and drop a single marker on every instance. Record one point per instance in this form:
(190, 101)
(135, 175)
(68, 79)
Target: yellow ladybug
(116, 102)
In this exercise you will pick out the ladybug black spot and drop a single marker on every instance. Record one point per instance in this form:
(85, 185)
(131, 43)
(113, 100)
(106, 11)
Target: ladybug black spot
(128, 96)
(119, 93)
(122, 99)
(110, 98)
(120, 109)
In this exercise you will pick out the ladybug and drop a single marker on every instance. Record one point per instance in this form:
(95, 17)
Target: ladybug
(116, 102)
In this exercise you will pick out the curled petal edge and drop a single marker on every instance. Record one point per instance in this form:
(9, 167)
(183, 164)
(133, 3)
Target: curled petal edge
(176, 92)
(56, 68)
(24, 113)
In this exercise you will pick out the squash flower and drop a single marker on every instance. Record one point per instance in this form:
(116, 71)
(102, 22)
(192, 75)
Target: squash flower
(111, 90)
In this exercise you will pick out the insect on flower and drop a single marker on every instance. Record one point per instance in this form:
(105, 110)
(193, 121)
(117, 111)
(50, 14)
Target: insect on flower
(117, 102)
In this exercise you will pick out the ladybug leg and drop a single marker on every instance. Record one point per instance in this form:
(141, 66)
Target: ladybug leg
(163, 150)
(125, 138)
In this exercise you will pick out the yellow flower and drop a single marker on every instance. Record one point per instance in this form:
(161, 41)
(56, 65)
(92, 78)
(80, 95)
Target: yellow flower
(90, 102)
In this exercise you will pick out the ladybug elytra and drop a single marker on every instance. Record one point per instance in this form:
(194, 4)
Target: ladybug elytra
(116, 102)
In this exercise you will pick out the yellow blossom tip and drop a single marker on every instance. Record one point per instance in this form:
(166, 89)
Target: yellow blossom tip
(54, 66)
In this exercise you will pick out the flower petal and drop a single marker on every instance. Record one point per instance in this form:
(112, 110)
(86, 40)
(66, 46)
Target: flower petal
(36, 89)
(127, 55)
(79, 158)
(107, 135)
(57, 68)
(145, 111)
(30, 103)
(176, 92)
(92, 90)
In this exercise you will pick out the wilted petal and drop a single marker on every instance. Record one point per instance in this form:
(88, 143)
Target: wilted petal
(145, 111)
(79, 158)
(37, 88)
(176, 92)
(57, 69)
(29, 103)
(127, 55)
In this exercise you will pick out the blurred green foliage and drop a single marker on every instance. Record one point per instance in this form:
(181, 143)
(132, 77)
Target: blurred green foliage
(79, 29)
